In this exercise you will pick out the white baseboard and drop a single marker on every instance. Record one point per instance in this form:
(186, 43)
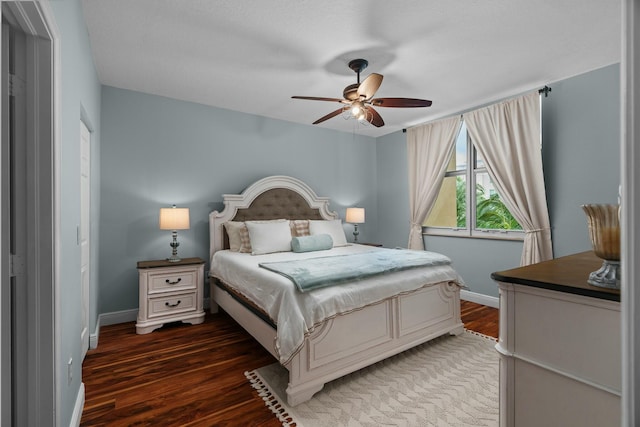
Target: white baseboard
(113, 318)
(116, 317)
(93, 338)
(480, 298)
(77, 408)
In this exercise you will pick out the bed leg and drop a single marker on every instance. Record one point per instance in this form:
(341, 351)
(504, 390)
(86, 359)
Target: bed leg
(213, 306)
(299, 394)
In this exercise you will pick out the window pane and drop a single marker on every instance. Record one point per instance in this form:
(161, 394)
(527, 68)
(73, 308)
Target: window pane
(449, 209)
(479, 160)
(491, 213)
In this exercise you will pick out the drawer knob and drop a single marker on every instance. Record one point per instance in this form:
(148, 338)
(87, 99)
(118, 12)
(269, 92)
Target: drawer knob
(172, 305)
(174, 282)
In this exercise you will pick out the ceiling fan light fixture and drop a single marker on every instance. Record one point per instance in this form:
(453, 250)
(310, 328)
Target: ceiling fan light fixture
(362, 118)
(357, 109)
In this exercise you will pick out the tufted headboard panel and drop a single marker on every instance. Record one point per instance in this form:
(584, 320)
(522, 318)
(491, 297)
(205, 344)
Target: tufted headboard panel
(278, 203)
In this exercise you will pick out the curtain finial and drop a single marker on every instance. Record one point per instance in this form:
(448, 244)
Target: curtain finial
(545, 90)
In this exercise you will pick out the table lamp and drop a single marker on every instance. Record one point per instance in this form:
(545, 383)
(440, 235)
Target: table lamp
(174, 219)
(355, 216)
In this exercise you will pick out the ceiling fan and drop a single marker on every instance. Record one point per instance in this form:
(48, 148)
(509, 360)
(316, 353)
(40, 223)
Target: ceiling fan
(358, 98)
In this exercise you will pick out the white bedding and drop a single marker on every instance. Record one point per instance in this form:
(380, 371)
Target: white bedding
(296, 313)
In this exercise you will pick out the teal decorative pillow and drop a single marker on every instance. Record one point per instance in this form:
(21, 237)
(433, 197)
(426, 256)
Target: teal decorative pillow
(317, 242)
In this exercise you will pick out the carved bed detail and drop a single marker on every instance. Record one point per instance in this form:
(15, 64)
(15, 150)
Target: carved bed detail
(347, 342)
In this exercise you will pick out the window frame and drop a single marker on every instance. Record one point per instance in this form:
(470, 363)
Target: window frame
(471, 231)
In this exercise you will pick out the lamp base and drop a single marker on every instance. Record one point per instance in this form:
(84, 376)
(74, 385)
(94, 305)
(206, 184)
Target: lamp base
(174, 246)
(607, 276)
(355, 233)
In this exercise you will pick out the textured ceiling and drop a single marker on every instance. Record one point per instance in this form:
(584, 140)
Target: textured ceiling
(252, 56)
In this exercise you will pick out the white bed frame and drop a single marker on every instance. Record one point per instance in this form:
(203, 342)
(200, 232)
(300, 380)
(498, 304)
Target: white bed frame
(347, 342)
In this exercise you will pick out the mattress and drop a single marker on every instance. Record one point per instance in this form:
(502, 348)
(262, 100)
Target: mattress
(298, 314)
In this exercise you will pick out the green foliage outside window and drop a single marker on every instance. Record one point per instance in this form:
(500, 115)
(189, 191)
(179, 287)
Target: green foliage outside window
(491, 213)
(461, 202)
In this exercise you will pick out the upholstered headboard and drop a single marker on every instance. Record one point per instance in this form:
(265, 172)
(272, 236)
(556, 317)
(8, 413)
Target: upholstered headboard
(273, 197)
(275, 204)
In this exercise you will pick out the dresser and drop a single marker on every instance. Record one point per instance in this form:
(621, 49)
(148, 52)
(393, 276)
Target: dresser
(170, 292)
(559, 345)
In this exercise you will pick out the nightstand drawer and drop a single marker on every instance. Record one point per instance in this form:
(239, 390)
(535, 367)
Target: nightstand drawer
(168, 305)
(174, 280)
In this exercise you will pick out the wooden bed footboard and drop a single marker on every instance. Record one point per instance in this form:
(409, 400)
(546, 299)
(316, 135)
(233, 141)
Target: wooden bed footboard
(374, 333)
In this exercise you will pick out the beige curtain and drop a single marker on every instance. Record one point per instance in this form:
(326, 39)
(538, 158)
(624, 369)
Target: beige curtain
(507, 136)
(429, 148)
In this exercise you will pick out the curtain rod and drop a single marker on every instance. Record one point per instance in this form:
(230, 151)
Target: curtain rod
(546, 89)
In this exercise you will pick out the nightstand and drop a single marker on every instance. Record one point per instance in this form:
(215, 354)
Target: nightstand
(170, 292)
(378, 245)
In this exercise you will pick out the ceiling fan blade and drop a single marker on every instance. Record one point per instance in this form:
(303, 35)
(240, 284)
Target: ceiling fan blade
(315, 98)
(400, 102)
(330, 115)
(374, 118)
(369, 86)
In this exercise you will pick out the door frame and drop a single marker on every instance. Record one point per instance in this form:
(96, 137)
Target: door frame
(630, 209)
(84, 234)
(37, 21)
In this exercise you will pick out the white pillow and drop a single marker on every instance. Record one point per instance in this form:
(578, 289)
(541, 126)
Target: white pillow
(269, 236)
(331, 227)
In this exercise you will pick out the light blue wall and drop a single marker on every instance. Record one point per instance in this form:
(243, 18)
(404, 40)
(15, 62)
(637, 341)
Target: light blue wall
(80, 97)
(150, 152)
(393, 192)
(157, 151)
(581, 152)
(580, 121)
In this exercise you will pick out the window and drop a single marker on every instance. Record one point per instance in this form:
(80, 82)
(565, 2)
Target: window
(458, 211)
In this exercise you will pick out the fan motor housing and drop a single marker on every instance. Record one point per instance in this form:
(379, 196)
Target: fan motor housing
(351, 92)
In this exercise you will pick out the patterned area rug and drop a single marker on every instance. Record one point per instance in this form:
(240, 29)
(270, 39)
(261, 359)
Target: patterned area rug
(449, 381)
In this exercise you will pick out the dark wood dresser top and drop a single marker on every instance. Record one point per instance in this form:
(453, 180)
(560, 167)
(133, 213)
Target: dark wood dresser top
(565, 274)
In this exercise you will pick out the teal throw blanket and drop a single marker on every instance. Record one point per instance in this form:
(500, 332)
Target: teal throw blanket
(313, 273)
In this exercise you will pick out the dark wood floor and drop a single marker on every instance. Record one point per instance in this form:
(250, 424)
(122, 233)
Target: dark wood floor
(184, 375)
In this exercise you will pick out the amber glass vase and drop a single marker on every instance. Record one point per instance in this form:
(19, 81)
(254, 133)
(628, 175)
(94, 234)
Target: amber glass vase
(604, 231)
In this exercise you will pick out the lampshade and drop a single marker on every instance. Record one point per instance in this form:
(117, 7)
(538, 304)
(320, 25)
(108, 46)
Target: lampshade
(355, 215)
(174, 218)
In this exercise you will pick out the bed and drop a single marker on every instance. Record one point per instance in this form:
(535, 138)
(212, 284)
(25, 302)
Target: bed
(330, 331)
